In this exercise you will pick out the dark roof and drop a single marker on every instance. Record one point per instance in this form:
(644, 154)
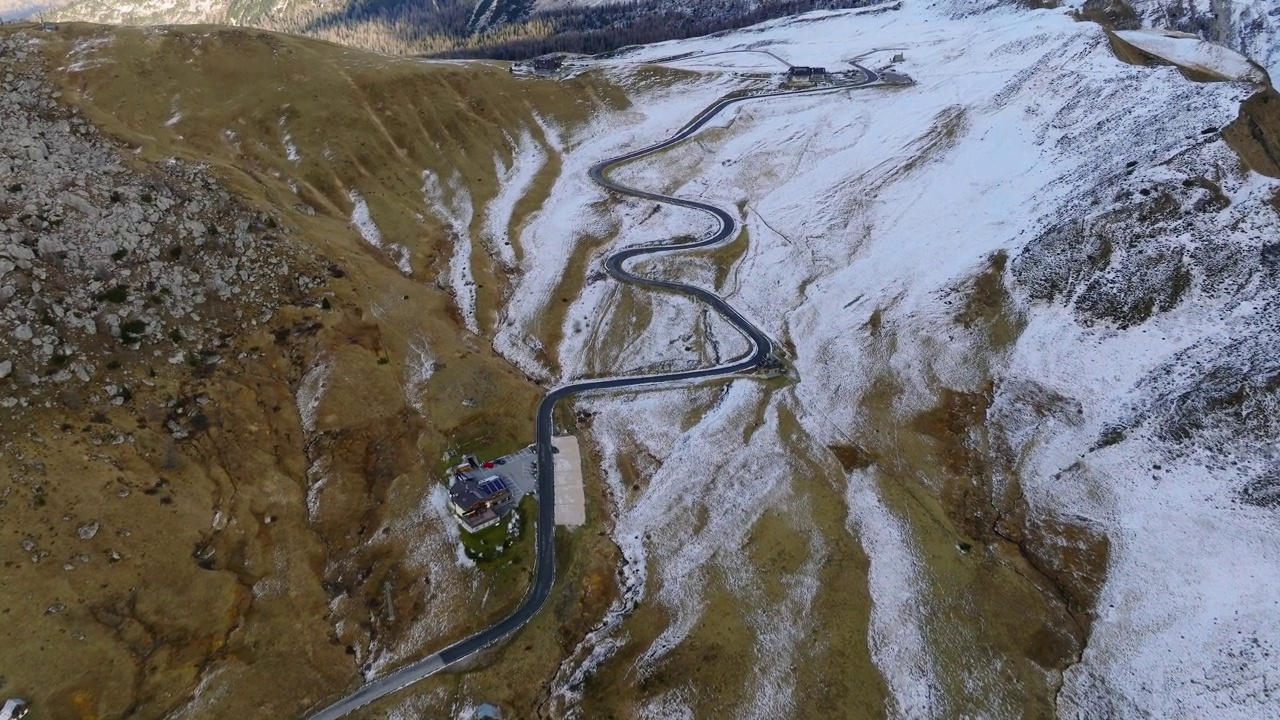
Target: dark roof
(475, 520)
(804, 70)
(467, 494)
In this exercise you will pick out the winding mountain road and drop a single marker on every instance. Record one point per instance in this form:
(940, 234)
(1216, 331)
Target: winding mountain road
(760, 355)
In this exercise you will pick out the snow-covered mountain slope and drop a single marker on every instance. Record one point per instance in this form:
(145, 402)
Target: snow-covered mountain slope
(1204, 60)
(14, 9)
(1025, 466)
(1249, 26)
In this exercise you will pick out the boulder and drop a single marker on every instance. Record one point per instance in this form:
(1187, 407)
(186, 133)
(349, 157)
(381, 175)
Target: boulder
(79, 203)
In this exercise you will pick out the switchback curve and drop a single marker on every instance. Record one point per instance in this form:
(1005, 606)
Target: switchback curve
(761, 352)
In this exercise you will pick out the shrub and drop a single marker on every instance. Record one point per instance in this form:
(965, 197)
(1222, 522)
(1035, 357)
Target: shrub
(131, 332)
(117, 294)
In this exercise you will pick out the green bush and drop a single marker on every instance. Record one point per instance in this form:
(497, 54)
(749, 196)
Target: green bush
(131, 332)
(117, 295)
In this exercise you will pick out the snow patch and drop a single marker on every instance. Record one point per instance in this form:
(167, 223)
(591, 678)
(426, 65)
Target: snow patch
(402, 257)
(897, 639)
(419, 367)
(311, 393)
(451, 203)
(208, 694)
(514, 181)
(363, 221)
(290, 150)
(81, 55)
(318, 475)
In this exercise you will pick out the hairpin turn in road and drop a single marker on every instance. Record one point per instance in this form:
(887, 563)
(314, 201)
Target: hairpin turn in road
(761, 355)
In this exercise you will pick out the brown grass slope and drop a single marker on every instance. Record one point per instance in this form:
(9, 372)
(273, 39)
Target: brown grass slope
(260, 560)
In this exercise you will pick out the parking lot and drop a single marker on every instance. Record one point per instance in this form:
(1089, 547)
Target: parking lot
(519, 468)
(571, 504)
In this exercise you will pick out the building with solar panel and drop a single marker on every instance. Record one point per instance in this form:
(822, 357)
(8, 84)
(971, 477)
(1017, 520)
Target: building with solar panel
(478, 504)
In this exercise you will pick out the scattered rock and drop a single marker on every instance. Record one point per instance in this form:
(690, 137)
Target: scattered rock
(93, 248)
(79, 203)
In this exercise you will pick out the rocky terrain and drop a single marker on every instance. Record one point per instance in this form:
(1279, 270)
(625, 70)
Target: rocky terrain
(163, 261)
(225, 398)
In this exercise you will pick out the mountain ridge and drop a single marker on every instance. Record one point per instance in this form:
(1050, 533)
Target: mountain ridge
(515, 29)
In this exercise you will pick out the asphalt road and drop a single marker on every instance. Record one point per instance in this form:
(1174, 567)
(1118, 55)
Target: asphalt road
(760, 354)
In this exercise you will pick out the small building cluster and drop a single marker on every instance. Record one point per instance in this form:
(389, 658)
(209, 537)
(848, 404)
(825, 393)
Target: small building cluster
(801, 76)
(544, 65)
(479, 495)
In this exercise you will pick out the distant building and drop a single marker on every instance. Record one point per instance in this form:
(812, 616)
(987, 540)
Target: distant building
(478, 504)
(803, 75)
(14, 708)
(548, 63)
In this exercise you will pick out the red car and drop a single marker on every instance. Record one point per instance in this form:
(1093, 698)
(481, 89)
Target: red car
(487, 465)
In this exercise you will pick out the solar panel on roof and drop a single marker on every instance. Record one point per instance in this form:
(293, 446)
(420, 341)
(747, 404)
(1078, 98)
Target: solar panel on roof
(493, 485)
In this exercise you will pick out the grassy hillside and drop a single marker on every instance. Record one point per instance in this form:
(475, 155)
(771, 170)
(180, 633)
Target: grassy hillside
(291, 522)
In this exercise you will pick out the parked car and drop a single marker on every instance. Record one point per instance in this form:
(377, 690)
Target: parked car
(487, 465)
(14, 708)
(501, 461)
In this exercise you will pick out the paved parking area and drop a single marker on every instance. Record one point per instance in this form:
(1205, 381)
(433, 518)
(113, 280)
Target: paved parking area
(571, 502)
(518, 467)
(521, 469)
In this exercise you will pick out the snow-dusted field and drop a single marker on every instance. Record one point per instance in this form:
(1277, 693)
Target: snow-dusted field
(889, 201)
